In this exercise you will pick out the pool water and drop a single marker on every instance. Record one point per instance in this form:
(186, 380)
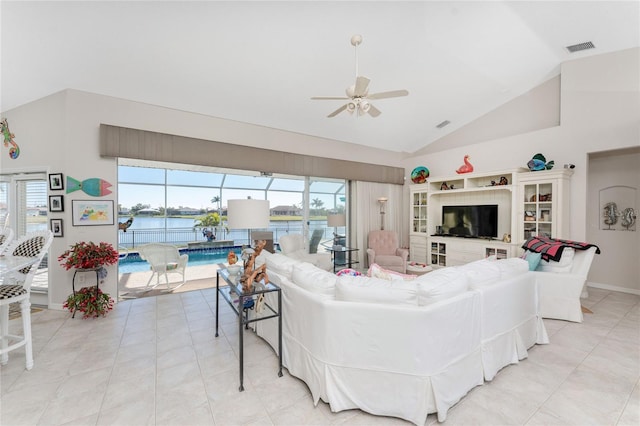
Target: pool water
(197, 257)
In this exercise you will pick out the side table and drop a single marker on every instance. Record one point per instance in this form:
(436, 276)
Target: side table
(240, 306)
(339, 261)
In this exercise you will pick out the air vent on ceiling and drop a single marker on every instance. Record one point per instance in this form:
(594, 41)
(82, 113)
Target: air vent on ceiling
(580, 46)
(444, 123)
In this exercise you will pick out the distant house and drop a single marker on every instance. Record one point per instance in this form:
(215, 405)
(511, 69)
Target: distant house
(188, 211)
(148, 212)
(286, 211)
(124, 211)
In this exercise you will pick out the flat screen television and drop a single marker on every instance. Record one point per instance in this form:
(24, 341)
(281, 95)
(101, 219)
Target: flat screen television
(479, 221)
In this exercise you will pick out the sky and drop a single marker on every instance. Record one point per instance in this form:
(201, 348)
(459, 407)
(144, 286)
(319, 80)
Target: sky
(196, 189)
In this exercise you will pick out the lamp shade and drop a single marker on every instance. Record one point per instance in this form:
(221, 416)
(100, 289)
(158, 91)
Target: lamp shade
(336, 220)
(248, 214)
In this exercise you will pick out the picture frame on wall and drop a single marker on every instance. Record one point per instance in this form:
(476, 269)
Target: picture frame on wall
(56, 181)
(56, 203)
(56, 227)
(92, 212)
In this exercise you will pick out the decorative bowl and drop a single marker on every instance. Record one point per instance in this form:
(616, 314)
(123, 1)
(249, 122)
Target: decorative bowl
(234, 269)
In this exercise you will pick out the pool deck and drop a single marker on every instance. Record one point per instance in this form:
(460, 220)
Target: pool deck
(133, 284)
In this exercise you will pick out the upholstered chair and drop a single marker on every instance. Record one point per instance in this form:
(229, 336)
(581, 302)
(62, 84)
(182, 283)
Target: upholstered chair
(384, 249)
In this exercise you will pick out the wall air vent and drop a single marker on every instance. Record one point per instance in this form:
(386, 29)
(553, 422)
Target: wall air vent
(580, 46)
(444, 123)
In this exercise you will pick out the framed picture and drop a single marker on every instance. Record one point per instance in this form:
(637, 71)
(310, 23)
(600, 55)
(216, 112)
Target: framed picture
(92, 213)
(56, 227)
(56, 182)
(56, 203)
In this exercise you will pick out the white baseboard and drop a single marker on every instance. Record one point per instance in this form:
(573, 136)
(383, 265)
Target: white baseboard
(614, 288)
(56, 307)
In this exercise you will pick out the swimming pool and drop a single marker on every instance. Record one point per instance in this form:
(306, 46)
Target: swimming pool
(197, 257)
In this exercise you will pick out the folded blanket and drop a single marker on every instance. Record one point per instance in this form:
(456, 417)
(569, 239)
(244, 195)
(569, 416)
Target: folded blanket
(551, 248)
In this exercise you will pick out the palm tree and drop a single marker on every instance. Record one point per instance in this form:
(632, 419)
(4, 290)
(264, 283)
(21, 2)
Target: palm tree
(317, 203)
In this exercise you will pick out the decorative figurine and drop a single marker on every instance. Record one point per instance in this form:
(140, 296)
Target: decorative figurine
(444, 186)
(628, 217)
(610, 214)
(232, 258)
(539, 162)
(467, 167)
(123, 226)
(14, 151)
(252, 274)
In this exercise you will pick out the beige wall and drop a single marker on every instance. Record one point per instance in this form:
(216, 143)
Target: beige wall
(600, 110)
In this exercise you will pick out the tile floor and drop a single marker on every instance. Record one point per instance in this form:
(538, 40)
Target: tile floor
(155, 361)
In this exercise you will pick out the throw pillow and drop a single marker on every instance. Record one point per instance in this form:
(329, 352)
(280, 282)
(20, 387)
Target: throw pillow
(376, 271)
(348, 271)
(533, 259)
(281, 264)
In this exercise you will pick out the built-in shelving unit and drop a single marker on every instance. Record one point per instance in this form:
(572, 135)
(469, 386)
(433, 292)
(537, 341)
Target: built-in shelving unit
(529, 203)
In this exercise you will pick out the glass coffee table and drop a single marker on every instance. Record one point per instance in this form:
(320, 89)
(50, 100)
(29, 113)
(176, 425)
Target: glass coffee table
(241, 303)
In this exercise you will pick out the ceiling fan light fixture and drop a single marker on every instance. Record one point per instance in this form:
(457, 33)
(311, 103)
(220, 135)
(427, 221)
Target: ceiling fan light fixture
(351, 107)
(364, 106)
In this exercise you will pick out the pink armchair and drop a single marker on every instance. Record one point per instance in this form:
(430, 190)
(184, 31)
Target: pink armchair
(383, 249)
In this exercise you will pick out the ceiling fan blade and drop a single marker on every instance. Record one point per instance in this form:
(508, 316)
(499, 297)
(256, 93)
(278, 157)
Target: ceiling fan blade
(362, 84)
(338, 111)
(373, 111)
(390, 94)
(329, 98)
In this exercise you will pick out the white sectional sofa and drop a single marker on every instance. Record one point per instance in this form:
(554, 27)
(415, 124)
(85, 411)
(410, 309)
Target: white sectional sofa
(402, 348)
(295, 246)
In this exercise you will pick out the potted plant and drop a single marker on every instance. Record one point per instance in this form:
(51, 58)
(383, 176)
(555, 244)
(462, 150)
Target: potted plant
(88, 256)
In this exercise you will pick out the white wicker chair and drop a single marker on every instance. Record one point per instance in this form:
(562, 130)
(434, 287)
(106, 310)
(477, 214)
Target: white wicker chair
(16, 287)
(6, 236)
(164, 259)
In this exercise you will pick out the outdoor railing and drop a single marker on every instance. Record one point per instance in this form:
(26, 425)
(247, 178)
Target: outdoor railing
(183, 236)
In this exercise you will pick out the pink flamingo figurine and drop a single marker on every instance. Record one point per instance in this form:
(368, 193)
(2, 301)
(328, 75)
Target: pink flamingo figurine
(467, 167)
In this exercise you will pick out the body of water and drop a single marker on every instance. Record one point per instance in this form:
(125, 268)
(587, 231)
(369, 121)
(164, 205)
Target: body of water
(180, 231)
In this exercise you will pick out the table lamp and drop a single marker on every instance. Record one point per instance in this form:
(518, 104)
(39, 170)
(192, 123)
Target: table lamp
(248, 214)
(336, 220)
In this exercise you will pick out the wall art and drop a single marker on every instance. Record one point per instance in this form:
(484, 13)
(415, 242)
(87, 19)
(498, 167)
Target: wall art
(55, 182)
(56, 227)
(94, 187)
(92, 213)
(56, 203)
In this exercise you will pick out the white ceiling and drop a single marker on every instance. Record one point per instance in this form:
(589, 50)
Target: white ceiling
(260, 62)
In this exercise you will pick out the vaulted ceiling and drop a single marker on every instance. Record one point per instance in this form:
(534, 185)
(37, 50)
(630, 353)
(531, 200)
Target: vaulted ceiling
(261, 62)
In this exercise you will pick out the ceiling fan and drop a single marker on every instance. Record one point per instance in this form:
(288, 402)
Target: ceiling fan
(358, 96)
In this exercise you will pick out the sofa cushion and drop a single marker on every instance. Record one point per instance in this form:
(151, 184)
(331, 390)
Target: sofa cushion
(314, 279)
(281, 264)
(481, 272)
(563, 266)
(378, 271)
(376, 290)
(441, 284)
(511, 267)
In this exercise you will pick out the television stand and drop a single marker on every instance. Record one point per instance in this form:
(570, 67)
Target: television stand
(455, 251)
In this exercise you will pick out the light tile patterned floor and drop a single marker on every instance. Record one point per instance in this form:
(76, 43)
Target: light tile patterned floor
(155, 361)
